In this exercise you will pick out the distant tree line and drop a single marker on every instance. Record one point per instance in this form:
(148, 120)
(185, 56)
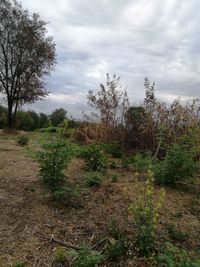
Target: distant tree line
(31, 120)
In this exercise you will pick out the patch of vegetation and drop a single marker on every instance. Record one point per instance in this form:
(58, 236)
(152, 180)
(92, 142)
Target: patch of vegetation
(114, 149)
(112, 164)
(85, 257)
(60, 255)
(178, 164)
(53, 159)
(141, 162)
(173, 256)
(50, 129)
(114, 178)
(117, 246)
(95, 157)
(126, 161)
(146, 213)
(22, 140)
(176, 234)
(194, 207)
(93, 179)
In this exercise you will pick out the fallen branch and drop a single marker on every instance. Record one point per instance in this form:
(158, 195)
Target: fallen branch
(68, 245)
(99, 243)
(63, 243)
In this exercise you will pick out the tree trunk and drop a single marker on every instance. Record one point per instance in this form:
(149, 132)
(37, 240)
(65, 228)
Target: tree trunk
(10, 115)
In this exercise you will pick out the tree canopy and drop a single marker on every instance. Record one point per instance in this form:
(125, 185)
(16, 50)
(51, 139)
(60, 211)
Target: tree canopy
(26, 55)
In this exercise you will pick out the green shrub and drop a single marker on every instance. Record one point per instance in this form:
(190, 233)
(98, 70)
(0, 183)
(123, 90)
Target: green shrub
(177, 166)
(173, 256)
(118, 244)
(65, 193)
(53, 159)
(125, 162)
(94, 157)
(114, 178)
(114, 149)
(22, 140)
(24, 121)
(194, 207)
(112, 164)
(60, 255)
(85, 257)
(146, 212)
(93, 179)
(116, 249)
(176, 234)
(141, 162)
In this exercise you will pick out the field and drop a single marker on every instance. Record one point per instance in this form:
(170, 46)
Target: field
(32, 226)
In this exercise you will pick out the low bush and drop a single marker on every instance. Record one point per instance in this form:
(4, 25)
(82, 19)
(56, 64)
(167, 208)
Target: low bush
(125, 162)
(175, 257)
(85, 257)
(112, 164)
(178, 164)
(114, 178)
(52, 160)
(176, 234)
(22, 140)
(114, 149)
(60, 255)
(118, 245)
(93, 179)
(141, 162)
(95, 157)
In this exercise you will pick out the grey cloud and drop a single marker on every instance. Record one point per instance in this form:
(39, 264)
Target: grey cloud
(132, 38)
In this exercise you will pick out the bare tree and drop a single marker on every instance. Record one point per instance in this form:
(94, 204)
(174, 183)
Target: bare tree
(111, 102)
(26, 55)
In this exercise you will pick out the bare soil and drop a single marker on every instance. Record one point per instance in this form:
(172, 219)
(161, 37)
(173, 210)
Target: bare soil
(30, 221)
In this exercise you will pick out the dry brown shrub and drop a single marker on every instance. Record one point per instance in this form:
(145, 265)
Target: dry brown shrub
(155, 125)
(98, 133)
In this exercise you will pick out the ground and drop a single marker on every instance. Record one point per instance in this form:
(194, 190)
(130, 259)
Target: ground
(31, 225)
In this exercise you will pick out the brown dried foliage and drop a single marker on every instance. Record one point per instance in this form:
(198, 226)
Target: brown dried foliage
(99, 133)
(159, 124)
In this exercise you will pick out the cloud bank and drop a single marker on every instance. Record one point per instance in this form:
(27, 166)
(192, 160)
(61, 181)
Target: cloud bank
(132, 38)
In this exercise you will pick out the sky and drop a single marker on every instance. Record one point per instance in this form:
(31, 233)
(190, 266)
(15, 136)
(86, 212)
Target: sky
(134, 39)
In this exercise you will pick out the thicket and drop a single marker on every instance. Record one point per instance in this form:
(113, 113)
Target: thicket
(155, 125)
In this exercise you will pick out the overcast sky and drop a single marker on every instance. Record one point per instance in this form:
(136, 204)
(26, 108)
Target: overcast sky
(159, 39)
